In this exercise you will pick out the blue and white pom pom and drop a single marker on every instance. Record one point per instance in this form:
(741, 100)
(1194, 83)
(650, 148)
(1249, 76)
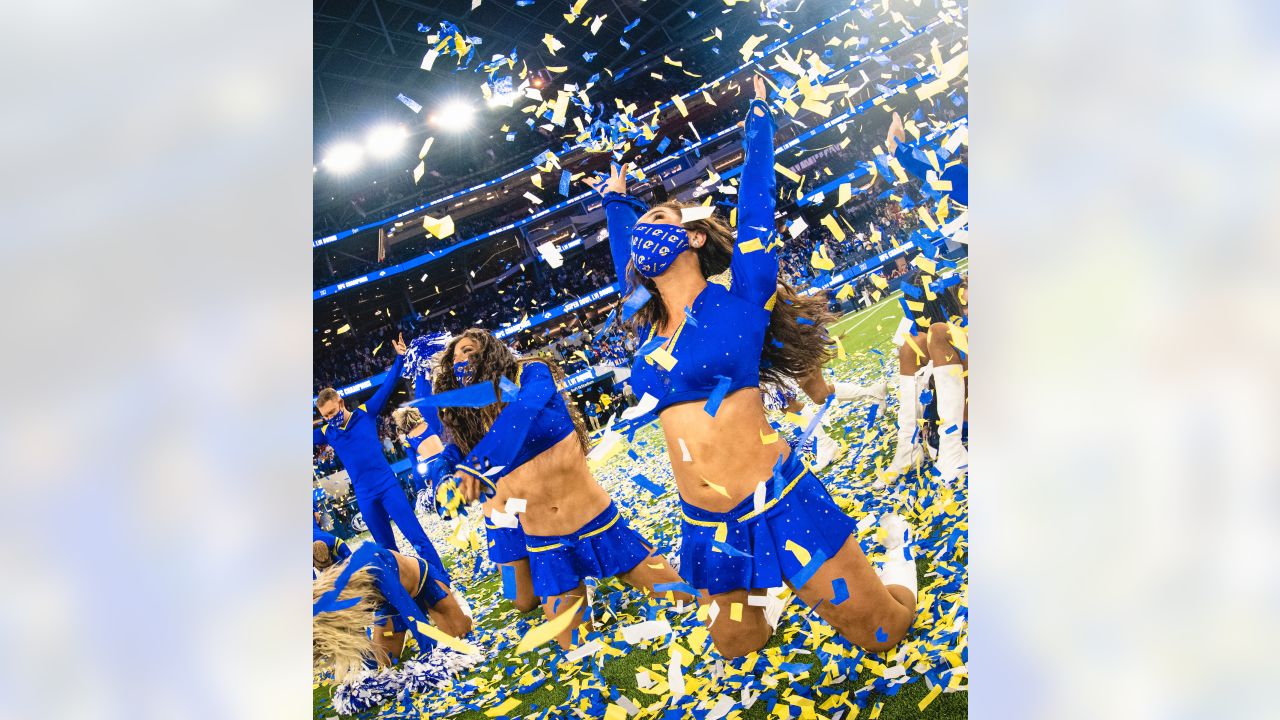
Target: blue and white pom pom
(373, 688)
(420, 358)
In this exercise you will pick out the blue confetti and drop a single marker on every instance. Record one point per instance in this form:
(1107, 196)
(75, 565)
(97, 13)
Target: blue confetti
(717, 395)
(806, 572)
(675, 587)
(564, 182)
(728, 549)
(841, 589)
(648, 484)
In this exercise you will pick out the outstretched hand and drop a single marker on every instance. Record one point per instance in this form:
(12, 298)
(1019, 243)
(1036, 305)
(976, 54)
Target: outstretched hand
(762, 90)
(399, 345)
(896, 134)
(616, 182)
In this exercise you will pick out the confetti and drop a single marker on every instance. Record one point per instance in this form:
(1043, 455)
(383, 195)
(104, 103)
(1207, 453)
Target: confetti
(547, 631)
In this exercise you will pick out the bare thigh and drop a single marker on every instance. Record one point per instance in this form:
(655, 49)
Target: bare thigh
(913, 355)
(745, 635)
(524, 599)
(655, 570)
(448, 615)
(870, 607)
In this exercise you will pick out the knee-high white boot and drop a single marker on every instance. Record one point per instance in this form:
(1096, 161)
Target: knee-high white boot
(826, 447)
(908, 452)
(847, 391)
(899, 567)
(953, 459)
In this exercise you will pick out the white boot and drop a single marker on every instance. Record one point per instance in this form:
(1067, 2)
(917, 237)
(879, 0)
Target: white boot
(953, 459)
(899, 567)
(908, 452)
(826, 448)
(848, 392)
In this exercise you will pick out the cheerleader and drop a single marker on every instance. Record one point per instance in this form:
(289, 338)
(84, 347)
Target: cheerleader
(353, 434)
(929, 340)
(754, 516)
(364, 605)
(527, 455)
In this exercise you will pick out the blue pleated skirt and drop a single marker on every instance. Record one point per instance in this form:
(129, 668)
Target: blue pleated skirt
(604, 547)
(506, 545)
(747, 549)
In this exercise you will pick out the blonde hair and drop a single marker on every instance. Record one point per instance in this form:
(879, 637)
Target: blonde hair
(406, 419)
(341, 637)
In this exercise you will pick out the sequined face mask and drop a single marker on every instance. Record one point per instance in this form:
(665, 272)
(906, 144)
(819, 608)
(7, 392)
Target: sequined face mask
(654, 247)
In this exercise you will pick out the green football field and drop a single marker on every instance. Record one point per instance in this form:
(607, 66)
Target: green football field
(541, 683)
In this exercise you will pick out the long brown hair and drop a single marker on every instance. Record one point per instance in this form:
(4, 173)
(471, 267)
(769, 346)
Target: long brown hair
(805, 347)
(466, 426)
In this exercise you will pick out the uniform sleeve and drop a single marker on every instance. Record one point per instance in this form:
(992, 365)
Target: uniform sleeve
(500, 446)
(379, 399)
(621, 212)
(755, 271)
(317, 436)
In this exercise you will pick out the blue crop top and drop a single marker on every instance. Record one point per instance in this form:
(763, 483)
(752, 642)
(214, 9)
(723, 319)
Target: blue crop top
(722, 334)
(536, 420)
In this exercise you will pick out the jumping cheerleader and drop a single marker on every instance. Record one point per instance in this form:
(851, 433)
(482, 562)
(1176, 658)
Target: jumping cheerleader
(533, 448)
(928, 343)
(754, 516)
(353, 434)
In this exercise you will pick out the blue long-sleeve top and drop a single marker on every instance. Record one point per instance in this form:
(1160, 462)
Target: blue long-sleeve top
(718, 351)
(914, 163)
(356, 441)
(536, 420)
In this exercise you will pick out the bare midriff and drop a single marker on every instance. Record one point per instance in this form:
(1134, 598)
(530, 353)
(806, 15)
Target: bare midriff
(561, 493)
(727, 450)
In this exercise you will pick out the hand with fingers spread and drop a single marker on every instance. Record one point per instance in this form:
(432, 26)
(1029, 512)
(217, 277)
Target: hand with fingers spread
(616, 182)
(399, 345)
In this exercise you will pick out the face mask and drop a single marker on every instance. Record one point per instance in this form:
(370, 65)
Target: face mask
(462, 371)
(655, 247)
(335, 422)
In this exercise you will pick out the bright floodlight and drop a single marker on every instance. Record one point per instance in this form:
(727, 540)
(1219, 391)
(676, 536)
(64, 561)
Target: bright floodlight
(344, 157)
(386, 141)
(454, 116)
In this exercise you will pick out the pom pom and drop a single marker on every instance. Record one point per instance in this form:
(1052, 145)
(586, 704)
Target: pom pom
(420, 358)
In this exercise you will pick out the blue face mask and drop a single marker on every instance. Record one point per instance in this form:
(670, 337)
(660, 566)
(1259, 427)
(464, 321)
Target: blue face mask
(655, 247)
(462, 371)
(335, 422)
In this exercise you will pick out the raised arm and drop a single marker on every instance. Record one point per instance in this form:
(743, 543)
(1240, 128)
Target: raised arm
(379, 399)
(505, 438)
(620, 212)
(755, 270)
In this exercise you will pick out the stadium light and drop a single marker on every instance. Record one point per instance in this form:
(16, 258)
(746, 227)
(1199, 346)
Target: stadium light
(386, 141)
(454, 116)
(344, 157)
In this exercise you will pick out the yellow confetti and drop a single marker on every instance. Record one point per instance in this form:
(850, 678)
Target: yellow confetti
(663, 358)
(735, 612)
(718, 488)
(680, 106)
(769, 439)
(749, 46)
(802, 555)
(933, 694)
(552, 43)
(751, 245)
(548, 630)
(342, 329)
(425, 147)
(418, 171)
(786, 172)
(441, 228)
(829, 222)
(447, 640)
(505, 708)
(845, 194)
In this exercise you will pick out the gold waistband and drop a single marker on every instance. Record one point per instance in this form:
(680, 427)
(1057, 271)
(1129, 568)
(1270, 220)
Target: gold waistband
(754, 512)
(590, 533)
